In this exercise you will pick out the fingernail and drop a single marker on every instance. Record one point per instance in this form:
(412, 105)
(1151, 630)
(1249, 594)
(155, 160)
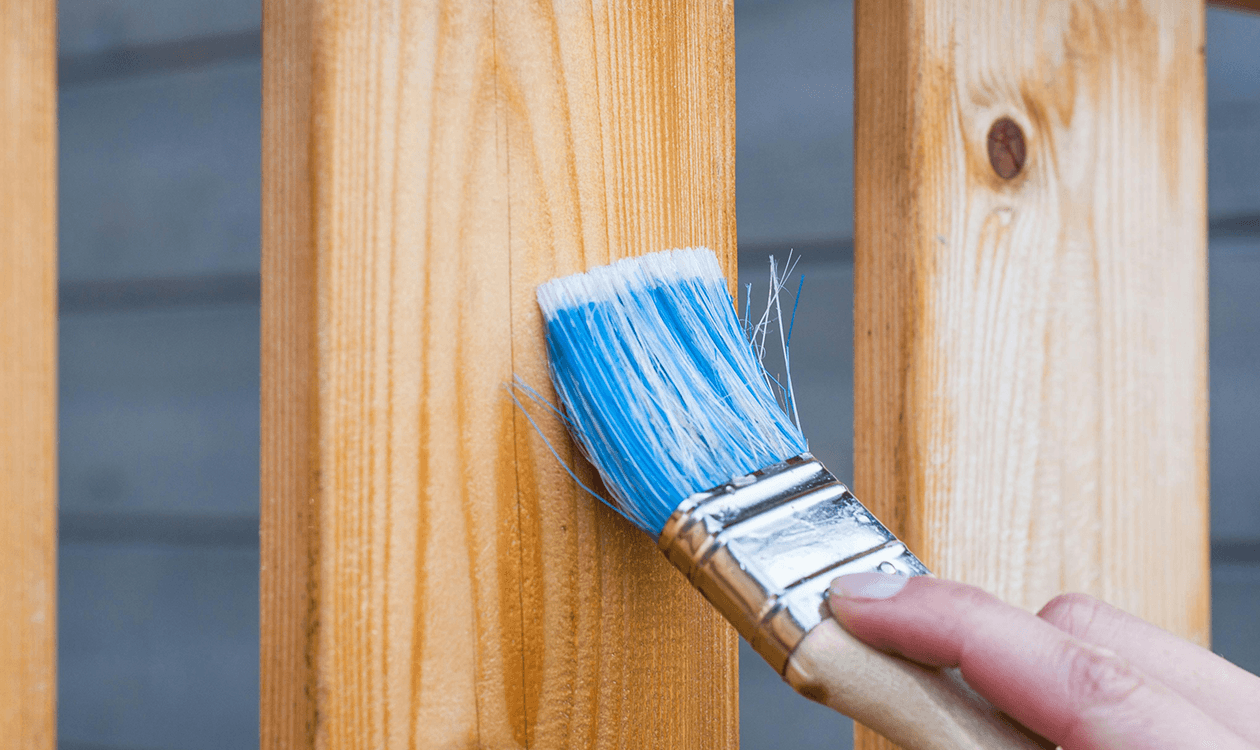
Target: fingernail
(868, 585)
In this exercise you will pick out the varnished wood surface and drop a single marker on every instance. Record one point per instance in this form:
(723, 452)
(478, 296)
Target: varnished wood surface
(28, 377)
(1031, 390)
(431, 578)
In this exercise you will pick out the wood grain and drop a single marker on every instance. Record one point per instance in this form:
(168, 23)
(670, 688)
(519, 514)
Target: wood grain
(431, 577)
(28, 374)
(1031, 390)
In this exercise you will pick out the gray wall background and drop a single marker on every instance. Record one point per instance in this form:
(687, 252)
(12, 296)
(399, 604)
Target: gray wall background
(159, 197)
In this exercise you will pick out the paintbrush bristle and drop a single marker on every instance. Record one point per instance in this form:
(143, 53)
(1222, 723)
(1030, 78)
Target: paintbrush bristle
(661, 388)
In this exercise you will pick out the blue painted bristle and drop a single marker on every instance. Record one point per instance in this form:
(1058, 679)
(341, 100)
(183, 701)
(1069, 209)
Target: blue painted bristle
(661, 388)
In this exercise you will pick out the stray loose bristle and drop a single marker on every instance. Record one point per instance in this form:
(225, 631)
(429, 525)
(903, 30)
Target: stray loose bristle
(661, 388)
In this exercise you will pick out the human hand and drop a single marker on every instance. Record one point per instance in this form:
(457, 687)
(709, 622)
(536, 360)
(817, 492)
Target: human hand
(1080, 673)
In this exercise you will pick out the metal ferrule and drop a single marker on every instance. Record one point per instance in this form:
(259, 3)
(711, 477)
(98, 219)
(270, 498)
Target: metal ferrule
(764, 547)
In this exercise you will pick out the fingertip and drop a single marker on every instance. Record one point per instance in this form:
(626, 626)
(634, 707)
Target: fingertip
(925, 619)
(850, 597)
(872, 585)
(1069, 608)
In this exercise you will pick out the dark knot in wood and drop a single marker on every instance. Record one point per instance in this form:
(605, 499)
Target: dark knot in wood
(1006, 148)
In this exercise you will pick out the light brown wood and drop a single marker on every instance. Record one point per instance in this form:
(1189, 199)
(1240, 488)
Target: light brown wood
(431, 577)
(289, 528)
(28, 374)
(1031, 391)
(922, 709)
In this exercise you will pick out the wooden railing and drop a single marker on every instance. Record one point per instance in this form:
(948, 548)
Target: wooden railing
(1030, 339)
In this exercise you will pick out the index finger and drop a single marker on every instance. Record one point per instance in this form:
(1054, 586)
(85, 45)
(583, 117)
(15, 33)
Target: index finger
(1075, 694)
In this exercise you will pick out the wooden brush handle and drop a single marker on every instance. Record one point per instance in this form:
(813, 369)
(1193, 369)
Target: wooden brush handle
(916, 707)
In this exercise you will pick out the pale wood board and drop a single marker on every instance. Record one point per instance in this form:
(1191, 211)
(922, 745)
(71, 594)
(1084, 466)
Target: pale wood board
(28, 374)
(1031, 369)
(431, 577)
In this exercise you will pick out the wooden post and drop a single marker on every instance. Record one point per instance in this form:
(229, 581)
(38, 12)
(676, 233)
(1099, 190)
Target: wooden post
(1031, 390)
(28, 374)
(430, 576)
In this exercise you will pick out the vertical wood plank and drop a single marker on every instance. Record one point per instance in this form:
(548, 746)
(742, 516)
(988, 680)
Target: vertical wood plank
(1031, 391)
(620, 141)
(289, 513)
(430, 577)
(28, 382)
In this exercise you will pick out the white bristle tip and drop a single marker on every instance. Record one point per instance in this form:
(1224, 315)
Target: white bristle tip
(626, 276)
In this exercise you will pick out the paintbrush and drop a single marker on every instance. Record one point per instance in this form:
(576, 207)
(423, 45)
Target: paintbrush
(666, 395)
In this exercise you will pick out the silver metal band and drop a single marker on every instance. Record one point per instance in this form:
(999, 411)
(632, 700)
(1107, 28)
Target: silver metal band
(763, 548)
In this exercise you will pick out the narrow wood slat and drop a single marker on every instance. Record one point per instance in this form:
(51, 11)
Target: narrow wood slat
(28, 378)
(431, 577)
(1031, 390)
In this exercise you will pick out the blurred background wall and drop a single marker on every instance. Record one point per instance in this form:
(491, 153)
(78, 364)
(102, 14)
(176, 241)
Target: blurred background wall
(160, 110)
(159, 125)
